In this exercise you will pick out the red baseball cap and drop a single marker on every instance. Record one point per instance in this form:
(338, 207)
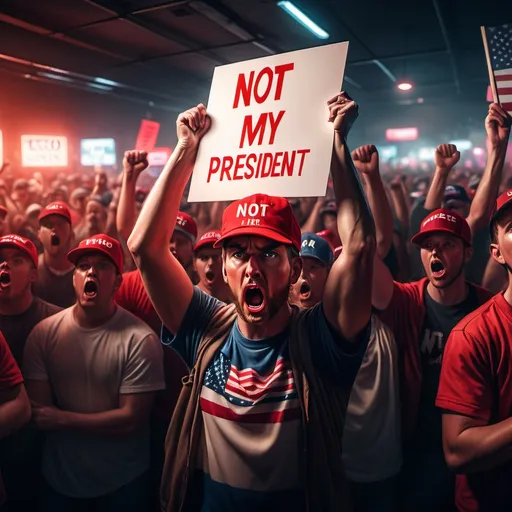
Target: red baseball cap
(209, 238)
(330, 236)
(22, 244)
(261, 215)
(501, 202)
(56, 208)
(187, 225)
(444, 221)
(99, 243)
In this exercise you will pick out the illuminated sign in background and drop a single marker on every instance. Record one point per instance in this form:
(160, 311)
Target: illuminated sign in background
(396, 134)
(44, 151)
(97, 152)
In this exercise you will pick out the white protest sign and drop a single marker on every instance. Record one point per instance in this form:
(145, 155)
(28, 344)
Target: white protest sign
(44, 151)
(269, 130)
(98, 152)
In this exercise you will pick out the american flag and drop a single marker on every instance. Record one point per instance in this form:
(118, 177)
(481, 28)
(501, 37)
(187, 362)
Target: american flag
(500, 47)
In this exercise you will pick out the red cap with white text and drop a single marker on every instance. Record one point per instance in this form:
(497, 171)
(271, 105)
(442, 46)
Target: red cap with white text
(501, 202)
(56, 208)
(443, 221)
(261, 215)
(187, 225)
(208, 239)
(99, 243)
(22, 244)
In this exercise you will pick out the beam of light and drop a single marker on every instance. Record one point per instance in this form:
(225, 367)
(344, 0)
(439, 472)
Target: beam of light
(304, 20)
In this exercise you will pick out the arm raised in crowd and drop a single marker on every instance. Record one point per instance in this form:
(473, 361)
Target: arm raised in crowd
(497, 126)
(446, 157)
(347, 297)
(366, 160)
(400, 204)
(134, 163)
(167, 283)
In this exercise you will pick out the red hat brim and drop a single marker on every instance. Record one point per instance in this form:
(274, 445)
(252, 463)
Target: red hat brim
(75, 254)
(418, 238)
(255, 231)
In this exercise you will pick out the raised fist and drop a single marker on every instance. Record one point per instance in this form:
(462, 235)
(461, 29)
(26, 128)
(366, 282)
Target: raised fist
(497, 125)
(191, 126)
(343, 111)
(134, 162)
(446, 156)
(366, 159)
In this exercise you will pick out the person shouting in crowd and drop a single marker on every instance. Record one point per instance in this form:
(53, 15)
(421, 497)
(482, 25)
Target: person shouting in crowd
(474, 391)
(208, 266)
(95, 220)
(235, 441)
(14, 403)
(55, 280)
(20, 311)
(455, 197)
(92, 371)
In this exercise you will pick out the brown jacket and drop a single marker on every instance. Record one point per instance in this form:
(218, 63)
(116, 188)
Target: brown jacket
(323, 403)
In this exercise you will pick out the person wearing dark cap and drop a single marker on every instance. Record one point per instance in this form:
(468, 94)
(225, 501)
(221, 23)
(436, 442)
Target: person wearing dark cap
(91, 373)
(257, 364)
(421, 315)
(55, 280)
(20, 311)
(474, 394)
(183, 241)
(208, 266)
(328, 214)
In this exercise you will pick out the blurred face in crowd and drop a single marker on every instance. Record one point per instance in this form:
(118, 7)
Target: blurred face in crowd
(443, 257)
(96, 279)
(182, 248)
(329, 222)
(461, 207)
(96, 217)
(208, 265)
(79, 203)
(259, 273)
(17, 273)
(21, 195)
(501, 247)
(309, 289)
(55, 234)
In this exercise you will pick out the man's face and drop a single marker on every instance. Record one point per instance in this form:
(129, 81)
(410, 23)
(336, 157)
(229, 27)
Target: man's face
(95, 280)
(182, 248)
(259, 275)
(309, 289)
(55, 234)
(443, 257)
(461, 207)
(208, 265)
(330, 222)
(96, 216)
(17, 273)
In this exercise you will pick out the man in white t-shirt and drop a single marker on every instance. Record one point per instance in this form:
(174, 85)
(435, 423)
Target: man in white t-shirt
(92, 371)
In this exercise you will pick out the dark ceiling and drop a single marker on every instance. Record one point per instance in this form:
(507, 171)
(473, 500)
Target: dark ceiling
(164, 54)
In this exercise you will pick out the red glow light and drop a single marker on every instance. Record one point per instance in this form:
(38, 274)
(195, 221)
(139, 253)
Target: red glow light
(397, 134)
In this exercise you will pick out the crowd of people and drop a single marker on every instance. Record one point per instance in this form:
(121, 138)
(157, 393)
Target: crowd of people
(349, 352)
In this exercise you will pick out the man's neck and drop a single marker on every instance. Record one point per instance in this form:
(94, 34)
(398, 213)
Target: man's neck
(57, 261)
(18, 305)
(93, 317)
(453, 294)
(268, 329)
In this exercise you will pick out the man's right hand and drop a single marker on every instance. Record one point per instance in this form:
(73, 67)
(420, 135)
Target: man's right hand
(366, 160)
(135, 162)
(446, 156)
(191, 126)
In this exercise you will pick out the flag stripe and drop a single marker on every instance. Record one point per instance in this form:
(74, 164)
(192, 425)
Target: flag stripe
(263, 417)
(505, 98)
(503, 72)
(504, 90)
(240, 392)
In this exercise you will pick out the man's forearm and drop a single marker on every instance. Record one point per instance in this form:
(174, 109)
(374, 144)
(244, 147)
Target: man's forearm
(109, 423)
(14, 414)
(125, 219)
(155, 225)
(355, 222)
(435, 196)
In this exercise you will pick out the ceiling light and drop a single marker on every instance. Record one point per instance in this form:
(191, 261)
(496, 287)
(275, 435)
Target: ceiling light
(404, 86)
(304, 20)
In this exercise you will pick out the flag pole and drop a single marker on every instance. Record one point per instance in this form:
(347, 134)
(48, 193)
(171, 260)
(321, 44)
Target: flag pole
(494, 88)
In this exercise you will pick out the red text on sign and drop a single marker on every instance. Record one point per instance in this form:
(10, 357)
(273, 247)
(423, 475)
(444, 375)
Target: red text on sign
(251, 132)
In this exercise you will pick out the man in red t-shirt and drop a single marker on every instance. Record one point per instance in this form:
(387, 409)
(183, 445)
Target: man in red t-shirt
(421, 315)
(475, 392)
(14, 403)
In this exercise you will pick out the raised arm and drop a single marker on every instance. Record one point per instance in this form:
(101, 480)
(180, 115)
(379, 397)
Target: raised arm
(347, 297)
(366, 160)
(446, 157)
(313, 221)
(166, 282)
(402, 212)
(134, 163)
(497, 126)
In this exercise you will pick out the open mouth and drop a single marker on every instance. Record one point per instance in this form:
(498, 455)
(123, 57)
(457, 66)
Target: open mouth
(210, 276)
(438, 269)
(305, 290)
(254, 299)
(5, 280)
(90, 289)
(55, 240)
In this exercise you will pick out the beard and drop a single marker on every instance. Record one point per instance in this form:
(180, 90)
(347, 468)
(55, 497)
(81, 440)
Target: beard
(273, 306)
